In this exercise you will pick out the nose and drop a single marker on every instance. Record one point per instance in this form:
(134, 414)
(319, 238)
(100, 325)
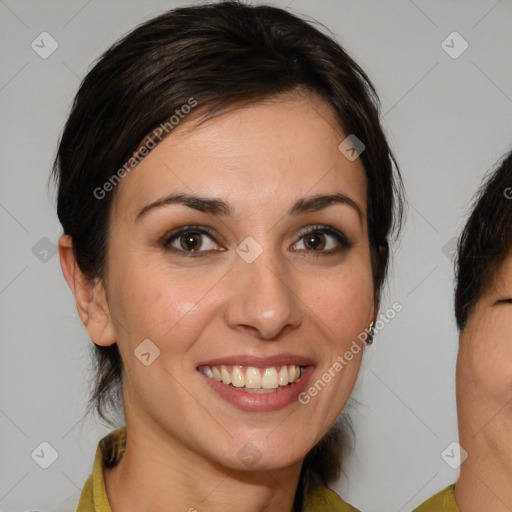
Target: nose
(262, 300)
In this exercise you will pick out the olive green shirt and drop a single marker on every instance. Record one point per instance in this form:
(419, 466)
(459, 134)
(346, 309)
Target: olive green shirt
(94, 495)
(443, 501)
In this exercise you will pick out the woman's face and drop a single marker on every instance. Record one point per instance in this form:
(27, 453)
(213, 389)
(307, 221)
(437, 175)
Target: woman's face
(484, 369)
(230, 279)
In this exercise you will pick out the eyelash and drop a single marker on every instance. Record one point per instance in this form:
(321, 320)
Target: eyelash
(341, 238)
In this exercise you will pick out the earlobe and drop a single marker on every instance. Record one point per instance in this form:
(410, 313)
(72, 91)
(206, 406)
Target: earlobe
(90, 296)
(373, 319)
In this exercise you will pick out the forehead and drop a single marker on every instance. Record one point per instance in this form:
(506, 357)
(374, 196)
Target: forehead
(255, 155)
(496, 289)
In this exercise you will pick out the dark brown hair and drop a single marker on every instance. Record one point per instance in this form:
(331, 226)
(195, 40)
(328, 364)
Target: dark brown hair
(222, 55)
(485, 240)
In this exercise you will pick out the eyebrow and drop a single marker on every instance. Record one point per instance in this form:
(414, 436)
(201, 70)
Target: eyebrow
(220, 208)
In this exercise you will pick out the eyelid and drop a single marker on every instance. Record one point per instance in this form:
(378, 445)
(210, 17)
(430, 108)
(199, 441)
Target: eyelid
(185, 229)
(166, 240)
(504, 301)
(344, 241)
(341, 238)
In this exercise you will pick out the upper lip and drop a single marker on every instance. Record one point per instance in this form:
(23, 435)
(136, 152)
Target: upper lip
(260, 362)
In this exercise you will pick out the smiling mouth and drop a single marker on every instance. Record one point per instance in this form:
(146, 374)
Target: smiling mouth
(251, 379)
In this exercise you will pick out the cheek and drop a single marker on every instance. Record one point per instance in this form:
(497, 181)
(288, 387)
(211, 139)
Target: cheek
(486, 363)
(149, 302)
(344, 301)
(163, 309)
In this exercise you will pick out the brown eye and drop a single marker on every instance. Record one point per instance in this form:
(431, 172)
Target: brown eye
(191, 241)
(315, 241)
(324, 240)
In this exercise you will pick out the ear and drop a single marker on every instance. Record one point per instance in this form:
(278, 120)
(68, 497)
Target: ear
(90, 296)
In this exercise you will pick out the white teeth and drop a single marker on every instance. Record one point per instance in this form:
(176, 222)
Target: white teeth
(207, 371)
(269, 379)
(253, 378)
(237, 377)
(283, 375)
(226, 376)
(216, 374)
(291, 373)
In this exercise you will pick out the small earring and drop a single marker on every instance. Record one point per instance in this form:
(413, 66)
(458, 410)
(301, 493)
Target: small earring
(370, 339)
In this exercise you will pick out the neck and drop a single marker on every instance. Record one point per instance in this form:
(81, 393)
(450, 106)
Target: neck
(486, 475)
(159, 474)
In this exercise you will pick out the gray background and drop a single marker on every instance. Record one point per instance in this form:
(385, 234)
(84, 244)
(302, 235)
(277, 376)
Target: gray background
(448, 120)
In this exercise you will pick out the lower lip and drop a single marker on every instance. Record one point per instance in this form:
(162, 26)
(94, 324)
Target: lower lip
(261, 402)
